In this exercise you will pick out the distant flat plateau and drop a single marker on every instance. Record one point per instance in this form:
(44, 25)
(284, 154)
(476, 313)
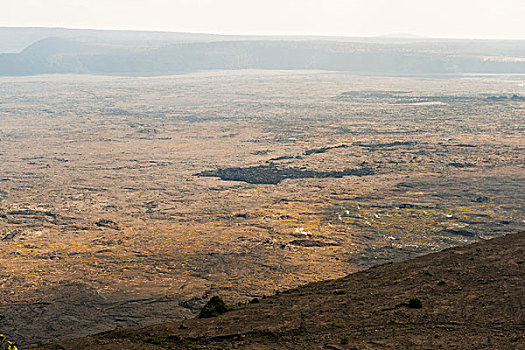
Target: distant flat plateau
(33, 51)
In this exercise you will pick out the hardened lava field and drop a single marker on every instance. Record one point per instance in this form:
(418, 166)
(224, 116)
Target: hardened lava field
(127, 201)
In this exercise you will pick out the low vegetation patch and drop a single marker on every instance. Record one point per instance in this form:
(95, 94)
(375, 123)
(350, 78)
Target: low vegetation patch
(154, 340)
(415, 303)
(215, 307)
(6, 344)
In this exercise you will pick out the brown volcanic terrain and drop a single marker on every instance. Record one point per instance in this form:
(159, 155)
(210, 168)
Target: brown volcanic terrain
(118, 206)
(472, 298)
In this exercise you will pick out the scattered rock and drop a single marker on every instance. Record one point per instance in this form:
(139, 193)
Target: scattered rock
(107, 223)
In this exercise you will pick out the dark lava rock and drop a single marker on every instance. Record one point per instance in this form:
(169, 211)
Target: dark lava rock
(481, 199)
(461, 165)
(311, 243)
(194, 304)
(322, 149)
(464, 233)
(107, 223)
(386, 145)
(285, 157)
(9, 236)
(270, 174)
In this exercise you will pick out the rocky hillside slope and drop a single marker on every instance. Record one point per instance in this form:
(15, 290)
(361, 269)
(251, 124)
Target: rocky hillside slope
(471, 298)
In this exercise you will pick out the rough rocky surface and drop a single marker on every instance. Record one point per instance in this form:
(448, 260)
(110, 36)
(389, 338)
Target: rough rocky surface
(472, 298)
(104, 224)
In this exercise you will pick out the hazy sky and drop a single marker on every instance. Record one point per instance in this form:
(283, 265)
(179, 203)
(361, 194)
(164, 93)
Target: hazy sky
(436, 18)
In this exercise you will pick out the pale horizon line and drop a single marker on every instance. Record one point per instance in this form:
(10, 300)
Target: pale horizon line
(406, 36)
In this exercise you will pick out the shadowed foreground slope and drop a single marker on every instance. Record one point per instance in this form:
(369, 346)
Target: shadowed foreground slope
(472, 298)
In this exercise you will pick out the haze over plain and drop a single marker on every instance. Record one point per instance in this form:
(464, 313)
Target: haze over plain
(238, 148)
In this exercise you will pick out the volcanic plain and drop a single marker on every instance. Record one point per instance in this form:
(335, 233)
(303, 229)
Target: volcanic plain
(130, 201)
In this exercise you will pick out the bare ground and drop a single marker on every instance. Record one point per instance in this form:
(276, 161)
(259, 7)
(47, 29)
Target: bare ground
(472, 298)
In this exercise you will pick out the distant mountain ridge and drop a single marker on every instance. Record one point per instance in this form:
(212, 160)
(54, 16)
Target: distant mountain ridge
(160, 53)
(14, 40)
